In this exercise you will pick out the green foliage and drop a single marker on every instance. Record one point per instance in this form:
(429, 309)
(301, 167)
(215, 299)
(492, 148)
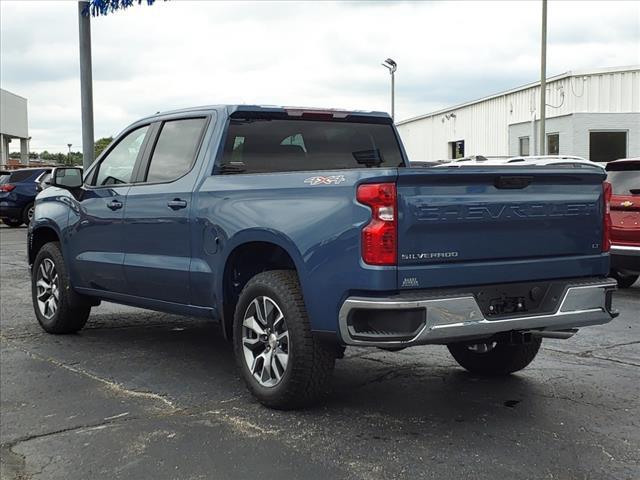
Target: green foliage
(100, 145)
(73, 158)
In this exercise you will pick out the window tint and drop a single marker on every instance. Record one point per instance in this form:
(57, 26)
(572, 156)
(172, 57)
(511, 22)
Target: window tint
(625, 182)
(117, 166)
(261, 145)
(21, 176)
(175, 149)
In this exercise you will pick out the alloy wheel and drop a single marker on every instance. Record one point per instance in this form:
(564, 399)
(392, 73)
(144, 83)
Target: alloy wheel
(47, 289)
(265, 341)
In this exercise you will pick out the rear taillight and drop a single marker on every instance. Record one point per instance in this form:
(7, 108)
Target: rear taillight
(606, 220)
(379, 236)
(7, 187)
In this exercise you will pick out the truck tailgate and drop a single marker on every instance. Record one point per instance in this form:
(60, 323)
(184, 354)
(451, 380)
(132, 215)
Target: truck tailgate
(471, 226)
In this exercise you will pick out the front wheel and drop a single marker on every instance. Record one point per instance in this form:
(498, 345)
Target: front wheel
(53, 297)
(494, 358)
(281, 362)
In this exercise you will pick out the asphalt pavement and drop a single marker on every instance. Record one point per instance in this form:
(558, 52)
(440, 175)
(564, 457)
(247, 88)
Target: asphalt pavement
(145, 395)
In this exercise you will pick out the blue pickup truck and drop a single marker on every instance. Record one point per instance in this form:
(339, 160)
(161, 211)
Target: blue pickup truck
(303, 231)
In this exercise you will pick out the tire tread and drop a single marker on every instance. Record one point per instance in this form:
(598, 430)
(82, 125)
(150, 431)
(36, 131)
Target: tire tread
(70, 316)
(312, 370)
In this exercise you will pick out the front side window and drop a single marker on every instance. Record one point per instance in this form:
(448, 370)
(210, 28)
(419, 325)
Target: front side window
(175, 149)
(117, 167)
(264, 145)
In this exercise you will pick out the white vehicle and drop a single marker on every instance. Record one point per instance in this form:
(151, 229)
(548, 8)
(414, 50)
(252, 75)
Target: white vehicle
(565, 160)
(541, 160)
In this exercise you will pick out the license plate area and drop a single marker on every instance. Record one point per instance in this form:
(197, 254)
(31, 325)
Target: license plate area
(519, 299)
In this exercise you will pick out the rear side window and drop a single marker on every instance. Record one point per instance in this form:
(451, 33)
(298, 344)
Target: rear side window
(175, 149)
(20, 176)
(262, 145)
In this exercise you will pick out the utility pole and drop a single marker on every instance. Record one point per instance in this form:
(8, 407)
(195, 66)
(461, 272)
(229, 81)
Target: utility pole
(392, 67)
(543, 80)
(86, 83)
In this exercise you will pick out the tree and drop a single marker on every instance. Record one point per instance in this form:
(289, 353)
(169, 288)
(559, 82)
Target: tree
(100, 145)
(104, 7)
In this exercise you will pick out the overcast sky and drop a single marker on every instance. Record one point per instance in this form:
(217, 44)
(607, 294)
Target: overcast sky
(177, 54)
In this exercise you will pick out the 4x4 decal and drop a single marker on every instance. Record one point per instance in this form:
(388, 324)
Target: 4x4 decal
(329, 180)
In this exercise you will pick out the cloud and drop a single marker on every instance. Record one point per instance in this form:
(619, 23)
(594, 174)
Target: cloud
(176, 54)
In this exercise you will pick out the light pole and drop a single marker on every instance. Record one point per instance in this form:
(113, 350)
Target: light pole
(392, 67)
(543, 79)
(86, 85)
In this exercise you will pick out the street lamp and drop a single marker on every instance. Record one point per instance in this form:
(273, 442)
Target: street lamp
(392, 67)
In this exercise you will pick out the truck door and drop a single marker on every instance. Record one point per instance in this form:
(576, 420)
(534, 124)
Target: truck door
(157, 216)
(96, 242)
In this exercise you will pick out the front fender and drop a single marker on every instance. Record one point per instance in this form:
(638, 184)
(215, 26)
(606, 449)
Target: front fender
(52, 209)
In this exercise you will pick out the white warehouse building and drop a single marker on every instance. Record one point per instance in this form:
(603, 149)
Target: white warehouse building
(13, 125)
(594, 114)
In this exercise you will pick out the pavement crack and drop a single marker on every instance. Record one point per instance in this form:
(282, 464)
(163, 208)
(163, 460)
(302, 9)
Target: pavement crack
(78, 428)
(111, 385)
(590, 354)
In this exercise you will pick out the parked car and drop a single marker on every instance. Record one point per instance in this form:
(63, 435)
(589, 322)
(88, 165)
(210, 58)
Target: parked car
(44, 182)
(624, 177)
(571, 160)
(17, 194)
(304, 231)
(539, 160)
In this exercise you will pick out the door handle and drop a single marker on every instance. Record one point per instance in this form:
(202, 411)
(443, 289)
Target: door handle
(176, 204)
(114, 205)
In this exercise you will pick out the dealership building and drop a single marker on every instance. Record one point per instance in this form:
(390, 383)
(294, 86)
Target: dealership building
(13, 125)
(594, 114)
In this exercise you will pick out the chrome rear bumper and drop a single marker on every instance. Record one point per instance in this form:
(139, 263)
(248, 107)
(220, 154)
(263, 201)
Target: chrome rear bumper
(458, 317)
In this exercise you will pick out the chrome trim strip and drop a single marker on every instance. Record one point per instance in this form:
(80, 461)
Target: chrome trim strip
(625, 250)
(456, 318)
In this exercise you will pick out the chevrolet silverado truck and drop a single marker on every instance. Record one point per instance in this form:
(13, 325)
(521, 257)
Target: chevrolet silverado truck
(304, 231)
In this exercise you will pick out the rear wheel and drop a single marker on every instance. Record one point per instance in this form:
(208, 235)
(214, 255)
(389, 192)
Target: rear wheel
(12, 222)
(55, 303)
(494, 358)
(282, 363)
(624, 280)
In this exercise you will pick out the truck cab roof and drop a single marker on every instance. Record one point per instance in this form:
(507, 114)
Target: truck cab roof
(293, 111)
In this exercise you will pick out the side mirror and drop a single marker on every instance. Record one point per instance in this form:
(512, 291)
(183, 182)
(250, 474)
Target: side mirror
(66, 177)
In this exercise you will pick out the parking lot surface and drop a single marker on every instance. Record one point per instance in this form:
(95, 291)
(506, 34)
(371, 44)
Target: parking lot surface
(139, 395)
